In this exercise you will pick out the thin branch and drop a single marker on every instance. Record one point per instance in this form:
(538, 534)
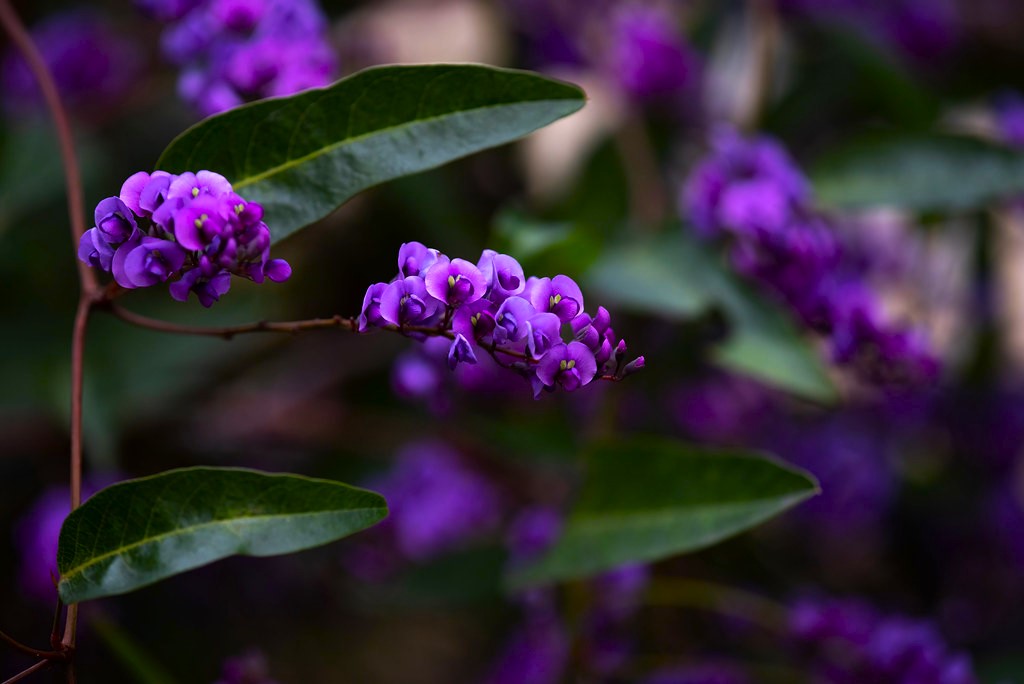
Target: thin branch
(72, 176)
(25, 673)
(28, 650)
(85, 304)
(229, 332)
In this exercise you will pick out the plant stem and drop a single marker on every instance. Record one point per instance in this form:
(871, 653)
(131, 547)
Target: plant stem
(25, 673)
(85, 304)
(72, 177)
(230, 331)
(28, 650)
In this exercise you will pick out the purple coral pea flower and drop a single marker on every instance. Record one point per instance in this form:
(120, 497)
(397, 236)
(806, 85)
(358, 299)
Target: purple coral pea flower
(369, 315)
(406, 302)
(152, 262)
(559, 295)
(120, 256)
(278, 270)
(114, 221)
(198, 222)
(461, 351)
(455, 282)
(208, 290)
(238, 15)
(131, 190)
(153, 193)
(512, 320)
(545, 330)
(414, 258)
(475, 321)
(94, 250)
(569, 365)
(503, 274)
(190, 185)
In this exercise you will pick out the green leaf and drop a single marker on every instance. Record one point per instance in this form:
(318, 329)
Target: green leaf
(138, 532)
(303, 156)
(645, 499)
(927, 173)
(677, 277)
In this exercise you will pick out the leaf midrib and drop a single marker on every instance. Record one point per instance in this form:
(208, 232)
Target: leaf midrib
(291, 163)
(182, 531)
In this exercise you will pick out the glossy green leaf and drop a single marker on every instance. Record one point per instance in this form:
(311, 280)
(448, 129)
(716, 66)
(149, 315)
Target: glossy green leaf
(644, 500)
(303, 156)
(679, 278)
(138, 532)
(936, 173)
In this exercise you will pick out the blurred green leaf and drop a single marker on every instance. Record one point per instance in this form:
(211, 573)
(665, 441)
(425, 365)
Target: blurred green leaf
(676, 277)
(303, 156)
(129, 653)
(138, 532)
(31, 172)
(927, 173)
(644, 500)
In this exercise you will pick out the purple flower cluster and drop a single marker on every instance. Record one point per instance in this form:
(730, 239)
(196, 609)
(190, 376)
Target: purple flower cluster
(492, 305)
(437, 504)
(637, 45)
(92, 64)
(649, 58)
(190, 229)
(751, 192)
(850, 642)
(236, 51)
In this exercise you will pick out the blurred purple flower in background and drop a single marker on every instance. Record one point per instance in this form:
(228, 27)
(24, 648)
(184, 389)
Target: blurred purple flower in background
(236, 51)
(437, 504)
(649, 57)
(36, 536)
(92, 63)
(248, 668)
(851, 642)
(751, 191)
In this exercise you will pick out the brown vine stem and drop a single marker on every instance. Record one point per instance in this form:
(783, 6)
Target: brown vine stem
(90, 293)
(72, 177)
(25, 673)
(28, 650)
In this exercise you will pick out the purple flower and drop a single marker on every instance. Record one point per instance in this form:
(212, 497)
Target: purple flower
(455, 282)
(152, 261)
(532, 532)
(751, 191)
(461, 351)
(94, 250)
(233, 51)
(115, 222)
(559, 295)
(36, 536)
(191, 229)
(1009, 114)
(207, 289)
(92, 64)
(406, 302)
(437, 503)
(537, 652)
(248, 668)
(544, 333)
(414, 259)
(370, 315)
(512, 322)
(852, 642)
(649, 57)
(503, 274)
(569, 366)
